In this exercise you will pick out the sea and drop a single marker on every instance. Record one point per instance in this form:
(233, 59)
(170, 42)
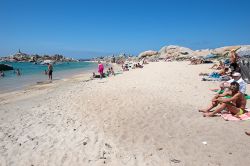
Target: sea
(32, 73)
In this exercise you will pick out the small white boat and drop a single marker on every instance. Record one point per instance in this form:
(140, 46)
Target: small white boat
(46, 62)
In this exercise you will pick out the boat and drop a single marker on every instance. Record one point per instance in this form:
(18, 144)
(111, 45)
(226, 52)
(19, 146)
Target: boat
(46, 62)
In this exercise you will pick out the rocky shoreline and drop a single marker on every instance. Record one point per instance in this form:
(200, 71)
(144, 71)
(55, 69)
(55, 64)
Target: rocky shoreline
(24, 57)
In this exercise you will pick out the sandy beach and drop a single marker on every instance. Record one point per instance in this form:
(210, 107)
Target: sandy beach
(142, 117)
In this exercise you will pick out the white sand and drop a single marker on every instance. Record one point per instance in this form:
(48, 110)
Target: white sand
(142, 117)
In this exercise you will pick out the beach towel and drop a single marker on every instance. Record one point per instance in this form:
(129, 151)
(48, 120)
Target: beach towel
(230, 117)
(215, 77)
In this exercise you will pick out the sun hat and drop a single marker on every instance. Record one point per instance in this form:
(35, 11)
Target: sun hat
(236, 74)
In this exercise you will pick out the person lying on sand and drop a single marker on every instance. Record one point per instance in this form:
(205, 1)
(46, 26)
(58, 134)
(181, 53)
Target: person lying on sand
(235, 105)
(222, 72)
(247, 133)
(97, 76)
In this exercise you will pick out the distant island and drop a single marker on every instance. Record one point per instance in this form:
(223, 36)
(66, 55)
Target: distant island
(23, 57)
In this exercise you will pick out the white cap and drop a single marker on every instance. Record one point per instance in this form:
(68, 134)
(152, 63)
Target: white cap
(236, 74)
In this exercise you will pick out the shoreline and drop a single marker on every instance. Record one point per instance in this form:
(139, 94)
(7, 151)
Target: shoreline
(145, 116)
(84, 76)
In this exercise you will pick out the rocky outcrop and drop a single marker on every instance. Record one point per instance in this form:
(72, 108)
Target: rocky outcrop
(223, 51)
(244, 51)
(4, 67)
(174, 51)
(147, 53)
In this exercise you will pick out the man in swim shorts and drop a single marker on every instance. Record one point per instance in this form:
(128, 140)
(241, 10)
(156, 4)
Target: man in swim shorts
(236, 104)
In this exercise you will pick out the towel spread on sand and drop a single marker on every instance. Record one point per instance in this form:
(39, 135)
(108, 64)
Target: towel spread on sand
(230, 117)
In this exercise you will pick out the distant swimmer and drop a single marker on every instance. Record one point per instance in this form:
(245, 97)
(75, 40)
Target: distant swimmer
(2, 74)
(50, 71)
(18, 73)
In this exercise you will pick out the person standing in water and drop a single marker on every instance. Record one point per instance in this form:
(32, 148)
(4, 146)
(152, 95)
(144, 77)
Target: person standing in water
(50, 71)
(18, 73)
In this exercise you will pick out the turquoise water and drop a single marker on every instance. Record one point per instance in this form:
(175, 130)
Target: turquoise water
(32, 73)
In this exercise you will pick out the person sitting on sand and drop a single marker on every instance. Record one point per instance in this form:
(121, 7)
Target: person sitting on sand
(235, 77)
(194, 61)
(218, 67)
(95, 76)
(108, 72)
(139, 65)
(144, 62)
(236, 104)
(125, 68)
(112, 71)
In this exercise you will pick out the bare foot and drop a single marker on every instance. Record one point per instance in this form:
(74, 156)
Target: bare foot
(247, 133)
(206, 114)
(201, 110)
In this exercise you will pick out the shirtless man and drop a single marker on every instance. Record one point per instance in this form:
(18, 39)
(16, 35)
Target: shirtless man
(235, 105)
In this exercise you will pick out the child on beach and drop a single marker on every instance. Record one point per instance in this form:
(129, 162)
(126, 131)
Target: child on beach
(235, 105)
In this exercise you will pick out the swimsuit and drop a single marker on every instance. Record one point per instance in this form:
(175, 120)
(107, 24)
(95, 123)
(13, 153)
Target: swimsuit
(240, 112)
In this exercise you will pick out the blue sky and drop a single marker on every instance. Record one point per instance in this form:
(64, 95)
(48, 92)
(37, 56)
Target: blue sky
(86, 28)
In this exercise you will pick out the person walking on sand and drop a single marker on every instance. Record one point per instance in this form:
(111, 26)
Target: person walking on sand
(100, 69)
(236, 104)
(50, 71)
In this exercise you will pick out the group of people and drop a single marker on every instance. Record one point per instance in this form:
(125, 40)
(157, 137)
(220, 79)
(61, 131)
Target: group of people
(231, 94)
(110, 71)
(138, 65)
(101, 72)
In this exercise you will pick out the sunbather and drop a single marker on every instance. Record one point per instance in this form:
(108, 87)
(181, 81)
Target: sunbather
(218, 66)
(235, 104)
(222, 72)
